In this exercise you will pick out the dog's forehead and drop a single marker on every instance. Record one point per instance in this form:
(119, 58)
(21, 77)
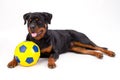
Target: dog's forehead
(36, 15)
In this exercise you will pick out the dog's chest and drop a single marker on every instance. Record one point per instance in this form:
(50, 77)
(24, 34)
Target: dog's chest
(46, 49)
(45, 46)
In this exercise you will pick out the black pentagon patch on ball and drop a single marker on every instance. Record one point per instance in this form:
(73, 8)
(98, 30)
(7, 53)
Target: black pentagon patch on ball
(35, 48)
(22, 48)
(29, 60)
(17, 59)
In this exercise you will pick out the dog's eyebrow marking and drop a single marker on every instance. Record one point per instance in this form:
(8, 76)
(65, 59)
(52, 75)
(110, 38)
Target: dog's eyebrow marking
(36, 19)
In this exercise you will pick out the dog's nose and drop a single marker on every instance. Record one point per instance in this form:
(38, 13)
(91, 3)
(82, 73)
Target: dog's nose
(32, 26)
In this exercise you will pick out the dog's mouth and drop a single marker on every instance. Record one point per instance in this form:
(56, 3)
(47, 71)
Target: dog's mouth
(36, 34)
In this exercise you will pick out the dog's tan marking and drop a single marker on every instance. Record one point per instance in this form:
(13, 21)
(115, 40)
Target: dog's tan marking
(108, 52)
(47, 50)
(51, 63)
(85, 51)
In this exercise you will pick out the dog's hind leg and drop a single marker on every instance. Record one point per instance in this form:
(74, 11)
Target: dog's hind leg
(108, 52)
(80, 37)
(86, 51)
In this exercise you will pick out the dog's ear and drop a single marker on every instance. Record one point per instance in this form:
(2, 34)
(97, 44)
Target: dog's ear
(26, 17)
(47, 17)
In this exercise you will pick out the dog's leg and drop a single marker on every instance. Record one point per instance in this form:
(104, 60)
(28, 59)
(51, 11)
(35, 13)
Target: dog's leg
(51, 62)
(85, 51)
(108, 52)
(12, 63)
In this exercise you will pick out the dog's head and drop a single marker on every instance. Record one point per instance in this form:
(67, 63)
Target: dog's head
(37, 23)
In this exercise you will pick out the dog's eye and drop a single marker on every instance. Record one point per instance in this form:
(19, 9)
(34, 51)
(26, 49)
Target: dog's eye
(36, 19)
(40, 23)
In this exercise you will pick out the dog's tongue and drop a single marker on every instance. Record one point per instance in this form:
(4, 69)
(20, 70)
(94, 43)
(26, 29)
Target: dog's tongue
(33, 34)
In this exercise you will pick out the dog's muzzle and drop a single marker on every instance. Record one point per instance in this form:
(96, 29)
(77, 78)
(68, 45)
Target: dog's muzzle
(32, 26)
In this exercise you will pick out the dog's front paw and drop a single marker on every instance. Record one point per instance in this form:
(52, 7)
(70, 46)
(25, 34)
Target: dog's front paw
(51, 66)
(51, 63)
(12, 64)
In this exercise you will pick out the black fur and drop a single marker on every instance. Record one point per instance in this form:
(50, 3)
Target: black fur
(44, 16)
(60, 40)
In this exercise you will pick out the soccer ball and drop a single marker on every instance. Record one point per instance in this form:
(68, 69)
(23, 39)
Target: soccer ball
(27, 53)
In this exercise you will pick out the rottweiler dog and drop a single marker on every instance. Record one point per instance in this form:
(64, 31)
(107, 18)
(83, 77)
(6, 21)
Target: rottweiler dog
(55, 42)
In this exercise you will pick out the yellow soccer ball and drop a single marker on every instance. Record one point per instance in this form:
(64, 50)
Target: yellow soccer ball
(27, 53)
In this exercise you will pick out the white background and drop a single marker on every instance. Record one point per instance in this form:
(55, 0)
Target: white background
(98, 19)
